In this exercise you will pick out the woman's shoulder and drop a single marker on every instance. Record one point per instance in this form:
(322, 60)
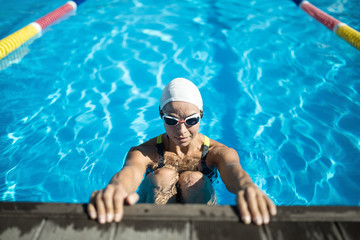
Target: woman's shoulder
(151, 143)
(216, 148)
(213, 144)
(147, 148)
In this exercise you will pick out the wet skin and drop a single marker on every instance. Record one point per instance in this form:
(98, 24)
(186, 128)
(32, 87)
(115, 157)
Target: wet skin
(183, 141)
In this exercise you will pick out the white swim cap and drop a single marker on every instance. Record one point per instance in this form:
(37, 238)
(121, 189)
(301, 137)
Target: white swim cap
(181, 89)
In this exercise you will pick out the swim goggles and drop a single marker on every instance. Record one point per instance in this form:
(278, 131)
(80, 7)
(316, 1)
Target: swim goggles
(189, 121)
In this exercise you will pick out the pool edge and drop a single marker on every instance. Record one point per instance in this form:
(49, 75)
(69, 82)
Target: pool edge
(34, 220)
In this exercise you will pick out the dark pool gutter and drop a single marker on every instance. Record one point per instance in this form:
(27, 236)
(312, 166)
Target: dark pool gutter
(144, 221)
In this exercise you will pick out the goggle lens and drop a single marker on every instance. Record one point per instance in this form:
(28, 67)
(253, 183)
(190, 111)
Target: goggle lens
(192, 121)
(170, 121)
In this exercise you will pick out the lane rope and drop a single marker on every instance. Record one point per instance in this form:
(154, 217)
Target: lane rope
(18, 38)
(344, 31)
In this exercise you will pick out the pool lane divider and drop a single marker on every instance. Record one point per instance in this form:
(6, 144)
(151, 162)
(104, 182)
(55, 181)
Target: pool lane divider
(347, 33)
(18, 38)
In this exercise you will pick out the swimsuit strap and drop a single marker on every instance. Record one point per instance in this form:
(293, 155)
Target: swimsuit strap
(205, 150)
(205, 169)
(160, 148)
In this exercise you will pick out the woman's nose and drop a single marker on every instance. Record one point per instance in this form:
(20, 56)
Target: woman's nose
(181, 128)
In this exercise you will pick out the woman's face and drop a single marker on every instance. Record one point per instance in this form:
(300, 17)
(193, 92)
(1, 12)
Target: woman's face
(181, 134)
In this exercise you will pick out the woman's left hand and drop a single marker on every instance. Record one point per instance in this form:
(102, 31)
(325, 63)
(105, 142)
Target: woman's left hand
(254, 205)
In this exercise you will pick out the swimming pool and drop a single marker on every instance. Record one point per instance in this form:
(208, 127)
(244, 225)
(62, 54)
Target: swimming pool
(277, 86)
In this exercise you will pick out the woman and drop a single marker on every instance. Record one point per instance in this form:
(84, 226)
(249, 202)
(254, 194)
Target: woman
(179, 166)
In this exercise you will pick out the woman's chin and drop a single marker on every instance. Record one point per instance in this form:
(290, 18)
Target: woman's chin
(183, 141)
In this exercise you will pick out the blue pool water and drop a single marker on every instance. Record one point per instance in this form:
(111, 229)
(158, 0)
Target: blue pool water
(277, 86)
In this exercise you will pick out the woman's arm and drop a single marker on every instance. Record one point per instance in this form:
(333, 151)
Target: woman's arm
(252, 203)
(107, 204)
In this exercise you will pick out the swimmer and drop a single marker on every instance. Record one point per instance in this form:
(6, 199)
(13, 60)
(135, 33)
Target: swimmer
(179, 166)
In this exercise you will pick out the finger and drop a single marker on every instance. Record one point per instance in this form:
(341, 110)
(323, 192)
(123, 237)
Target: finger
(253, 205)
(118, 205)
(108, 198)
(271, 206)
(132, 198)
(91, 206)
(264, 211)
(243, 208)
(100, 207)
(119, 202)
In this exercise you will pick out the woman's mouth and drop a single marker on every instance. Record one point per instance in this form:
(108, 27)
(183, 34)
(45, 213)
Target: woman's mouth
(182, 139)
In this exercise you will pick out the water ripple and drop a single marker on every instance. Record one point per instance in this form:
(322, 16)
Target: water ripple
(277, 86)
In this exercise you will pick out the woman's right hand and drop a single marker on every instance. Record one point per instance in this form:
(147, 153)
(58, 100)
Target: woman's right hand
(107, 205)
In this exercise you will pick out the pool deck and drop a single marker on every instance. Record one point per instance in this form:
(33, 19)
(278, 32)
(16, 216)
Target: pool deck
(190, 222)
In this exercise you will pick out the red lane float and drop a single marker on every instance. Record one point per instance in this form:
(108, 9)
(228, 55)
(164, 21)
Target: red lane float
(319, 15)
